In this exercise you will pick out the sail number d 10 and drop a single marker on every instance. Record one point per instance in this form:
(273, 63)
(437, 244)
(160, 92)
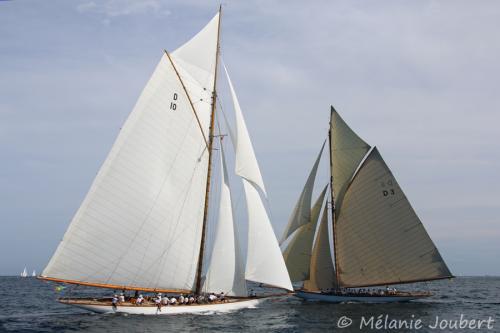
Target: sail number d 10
(173, 104)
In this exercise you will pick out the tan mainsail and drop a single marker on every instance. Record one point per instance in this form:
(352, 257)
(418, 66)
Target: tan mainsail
(301, 214)
(380, 239)
(298, 252)
(347, 149)
(322, 274)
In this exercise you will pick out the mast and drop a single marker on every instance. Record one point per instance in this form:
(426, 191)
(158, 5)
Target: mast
(209, 170)
(332, 194)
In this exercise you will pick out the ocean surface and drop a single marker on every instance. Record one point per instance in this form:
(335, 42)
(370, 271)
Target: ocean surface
(29, 305)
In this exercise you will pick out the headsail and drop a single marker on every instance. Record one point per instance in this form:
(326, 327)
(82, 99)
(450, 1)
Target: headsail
(140, 223)
(347, 150)
(297, 254)
(225, 271)
(380, 239)
(265, 262)
(246, 162)
(301, 214)
(322, 275)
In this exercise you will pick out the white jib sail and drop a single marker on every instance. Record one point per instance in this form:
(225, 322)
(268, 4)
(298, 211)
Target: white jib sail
(225, 271)
(246, 162)
(301, 214)
(265, 262)
(140, 223)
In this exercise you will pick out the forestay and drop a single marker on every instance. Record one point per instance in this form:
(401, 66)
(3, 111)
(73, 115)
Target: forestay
(140, 223)
(380, 239)
(347, 151)
(297, 254)
(225, 271)
(301, 214)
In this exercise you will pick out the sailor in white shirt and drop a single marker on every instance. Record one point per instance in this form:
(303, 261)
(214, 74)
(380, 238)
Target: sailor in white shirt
(181, 299)
(165, 300)
(158, 301)
(212, 297)
(139, 300)
(173, 301)
(121, 299)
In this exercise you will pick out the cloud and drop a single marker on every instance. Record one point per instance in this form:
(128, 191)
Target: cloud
(115, 8)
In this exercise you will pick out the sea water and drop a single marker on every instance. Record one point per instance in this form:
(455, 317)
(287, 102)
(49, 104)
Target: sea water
(459, 305)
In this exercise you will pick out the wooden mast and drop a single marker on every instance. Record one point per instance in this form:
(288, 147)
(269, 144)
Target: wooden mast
(209, 171)
(336, 266)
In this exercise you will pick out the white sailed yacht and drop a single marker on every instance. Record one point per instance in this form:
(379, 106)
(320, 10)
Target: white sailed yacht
(24, 273)
(33, 274)
(378, 240)
(143, 224)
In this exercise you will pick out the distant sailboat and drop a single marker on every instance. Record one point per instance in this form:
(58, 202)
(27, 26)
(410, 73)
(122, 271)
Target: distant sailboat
(143, 223)
(378, 240)
(24, 273)
(33, 274)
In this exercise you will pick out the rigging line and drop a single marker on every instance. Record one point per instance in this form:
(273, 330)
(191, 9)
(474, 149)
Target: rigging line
(188, 97)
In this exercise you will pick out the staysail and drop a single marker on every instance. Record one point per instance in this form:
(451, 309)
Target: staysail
(380, 239)
(322, 274)
(225, 271)
(297, 254)
(264, 263)
(347, 149)
(301, 214)
(140, 224)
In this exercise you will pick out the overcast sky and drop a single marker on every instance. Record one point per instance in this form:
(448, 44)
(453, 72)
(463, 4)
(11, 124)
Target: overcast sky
(418, 79)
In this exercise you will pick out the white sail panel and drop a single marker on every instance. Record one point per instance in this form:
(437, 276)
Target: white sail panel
(265, 263)
(322, 276)
(301, 214)
(140, 223)
(297, 254)
(347, 151)
(380, 239)
(198, 57)
(225, 271)
(246, 165)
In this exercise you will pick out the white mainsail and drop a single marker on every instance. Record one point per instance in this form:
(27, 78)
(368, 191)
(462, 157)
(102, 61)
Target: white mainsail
(297, 254)
(141, 222)
(226, 269)
(301, 214)
(33, 273)
(265, 262)
(24, 273)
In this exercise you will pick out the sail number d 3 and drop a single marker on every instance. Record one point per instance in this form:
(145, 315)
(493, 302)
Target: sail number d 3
(388, 190)
(173, 104)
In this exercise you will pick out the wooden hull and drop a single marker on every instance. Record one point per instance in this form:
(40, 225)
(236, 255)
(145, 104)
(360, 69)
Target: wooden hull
(106, 307)
(333, 298)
